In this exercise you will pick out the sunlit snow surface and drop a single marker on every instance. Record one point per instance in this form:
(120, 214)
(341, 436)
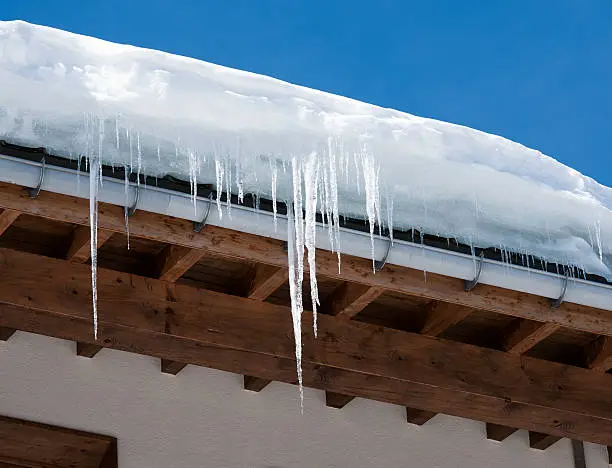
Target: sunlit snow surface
(163, 114)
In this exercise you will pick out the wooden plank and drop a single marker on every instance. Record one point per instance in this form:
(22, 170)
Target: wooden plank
(441, 316)
(87, 350)
(599, 355)
(254, 338)
(248, 247)
(337, 400)
(6, 333)
(31, 444)
(417, 416)
(255, 384)
(349, 299)
(80, 246)
(174, 261)
(171, 367)
(540, 441)
(499, 433)
(525, 334)
(265, 280)
(7, 217)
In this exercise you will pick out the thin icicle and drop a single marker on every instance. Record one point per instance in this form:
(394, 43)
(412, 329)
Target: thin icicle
(274, 172)
(126, 186)
(311, 177)
(219, 173)
(94, 184)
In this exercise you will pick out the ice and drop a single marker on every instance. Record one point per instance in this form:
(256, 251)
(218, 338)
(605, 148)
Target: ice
(205, 123)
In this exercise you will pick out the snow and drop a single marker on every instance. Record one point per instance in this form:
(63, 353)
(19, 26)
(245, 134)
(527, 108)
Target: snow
(158, 114)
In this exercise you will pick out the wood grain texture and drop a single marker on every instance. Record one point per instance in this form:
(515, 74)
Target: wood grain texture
(7, 217)
(265, 280)
(174, 261)
(599, 354)
(79, 249)
(441, 316)
(254, 338)
(525, 334)
(240, 245)
(349, 299)
(30, 444)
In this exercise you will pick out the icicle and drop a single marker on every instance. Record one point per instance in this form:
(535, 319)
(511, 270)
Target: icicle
(94, 180)
(295, 291)
(598, 239)
(126, 186)
(274, 171)
(333, 199)
(370, 175)
(219, 172)
(311, 177)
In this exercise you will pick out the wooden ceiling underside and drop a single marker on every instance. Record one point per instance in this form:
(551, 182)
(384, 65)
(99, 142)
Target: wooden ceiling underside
(220, 299)
(25, 444)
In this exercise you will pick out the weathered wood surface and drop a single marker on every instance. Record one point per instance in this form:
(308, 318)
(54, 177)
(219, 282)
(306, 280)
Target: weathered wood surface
(234, 244)
(249, 337)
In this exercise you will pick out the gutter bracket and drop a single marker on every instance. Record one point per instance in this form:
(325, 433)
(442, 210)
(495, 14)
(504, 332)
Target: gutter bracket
(379, 264)
(34, 192)
(471, 284)
(556, 303)
(130, 210)
(199, 225)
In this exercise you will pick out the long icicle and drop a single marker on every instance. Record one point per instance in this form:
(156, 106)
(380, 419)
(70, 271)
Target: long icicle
(94, 184)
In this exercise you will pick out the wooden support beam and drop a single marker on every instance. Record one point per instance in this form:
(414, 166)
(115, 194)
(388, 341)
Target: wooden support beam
(240, 335)
(174, 261)
(265, 281)
(525, 334)
(87, 350)
(7, 217)
(417, 416)
(255, 384)
(609, 450)
(348, 299)
(249, 247)
(499, 433)
(171, 367)
(599, 355)
(80, 246)
(540, 441)
(337, 400)
(6, 333)
(442, 316)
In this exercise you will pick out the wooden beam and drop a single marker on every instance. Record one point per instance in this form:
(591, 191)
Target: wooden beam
(417, 416)
(174, 261)
(249, 247)
(609, 450)
(255, 384)
(599, 355)
(442, 316)
(7, 217)
(254, 338)
(525, 334)
(35, 445)
(6, 333)
(499, 433)
(171, 367)
(540, 441)
(87, 350)
(80, 246)
(348, 299)
(337, 400)
(265, 281)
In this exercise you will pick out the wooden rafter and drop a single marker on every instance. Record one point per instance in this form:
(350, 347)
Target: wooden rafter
(253, 338)
(541, 441)
(174, 261)
(7, 217)
(418, 417)
(80, 245)
(599, 355)
(525, 334)
(255, 384)
(442, 316)
(248, 247)
(87, 349)
(6, 333)
(266, 279)
(171, 367)
(349, 299)
(337, 400)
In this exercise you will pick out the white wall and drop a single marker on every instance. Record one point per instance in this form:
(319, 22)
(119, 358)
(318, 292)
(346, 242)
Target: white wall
(203, 418)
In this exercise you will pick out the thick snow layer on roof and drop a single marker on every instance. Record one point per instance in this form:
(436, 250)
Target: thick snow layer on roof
(165, 114)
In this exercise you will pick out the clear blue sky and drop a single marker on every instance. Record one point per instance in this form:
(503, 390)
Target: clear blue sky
(538, 72)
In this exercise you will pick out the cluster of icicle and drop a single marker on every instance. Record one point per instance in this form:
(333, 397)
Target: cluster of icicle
(314, 179)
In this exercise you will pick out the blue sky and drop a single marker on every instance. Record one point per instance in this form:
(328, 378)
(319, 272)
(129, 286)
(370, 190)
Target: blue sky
(538, 72)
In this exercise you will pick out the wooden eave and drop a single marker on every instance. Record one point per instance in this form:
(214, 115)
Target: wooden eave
(219, 299)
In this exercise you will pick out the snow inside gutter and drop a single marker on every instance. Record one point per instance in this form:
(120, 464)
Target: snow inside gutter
(416, 256)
